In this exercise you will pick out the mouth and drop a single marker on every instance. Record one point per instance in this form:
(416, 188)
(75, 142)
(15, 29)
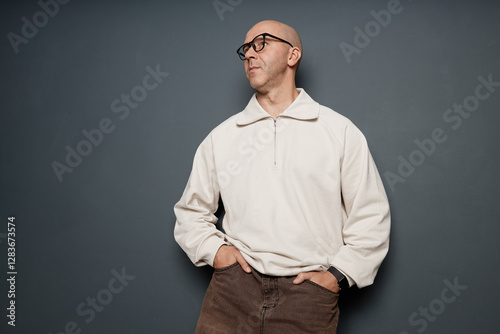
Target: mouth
(252, 68)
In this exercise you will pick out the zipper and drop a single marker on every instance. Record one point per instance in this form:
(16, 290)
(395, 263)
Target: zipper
(275, 141)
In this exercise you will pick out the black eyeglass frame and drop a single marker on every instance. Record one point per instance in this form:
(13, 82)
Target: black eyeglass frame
(240, 52)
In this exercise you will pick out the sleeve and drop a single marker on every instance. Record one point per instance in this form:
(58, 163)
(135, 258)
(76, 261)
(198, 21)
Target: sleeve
(195, 229)
(366, 226)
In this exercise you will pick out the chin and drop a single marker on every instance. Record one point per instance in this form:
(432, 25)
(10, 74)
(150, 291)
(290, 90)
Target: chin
(253, 85)
(256, 84)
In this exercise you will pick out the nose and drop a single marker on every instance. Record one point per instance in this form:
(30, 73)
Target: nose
(250, 53)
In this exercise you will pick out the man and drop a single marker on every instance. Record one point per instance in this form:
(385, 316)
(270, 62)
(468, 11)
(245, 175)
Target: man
(306, 213)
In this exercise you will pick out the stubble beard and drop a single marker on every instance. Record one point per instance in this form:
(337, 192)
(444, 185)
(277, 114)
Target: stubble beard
(264, 81)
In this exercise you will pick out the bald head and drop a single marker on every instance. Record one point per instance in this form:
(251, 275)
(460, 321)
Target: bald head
(275, 28)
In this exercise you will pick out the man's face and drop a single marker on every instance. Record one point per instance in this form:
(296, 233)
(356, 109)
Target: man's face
(265, 69)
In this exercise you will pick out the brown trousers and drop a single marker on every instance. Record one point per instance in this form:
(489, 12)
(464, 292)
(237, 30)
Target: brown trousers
(241, 303)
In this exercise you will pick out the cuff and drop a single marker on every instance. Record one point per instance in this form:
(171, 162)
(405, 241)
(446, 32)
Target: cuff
(209, 248)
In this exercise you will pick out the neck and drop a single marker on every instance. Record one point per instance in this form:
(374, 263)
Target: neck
(277, 100)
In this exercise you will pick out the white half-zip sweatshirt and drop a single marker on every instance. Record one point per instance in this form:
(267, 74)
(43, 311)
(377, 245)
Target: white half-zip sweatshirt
(300, 193)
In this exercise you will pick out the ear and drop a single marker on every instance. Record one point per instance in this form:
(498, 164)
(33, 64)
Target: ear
(294, 56)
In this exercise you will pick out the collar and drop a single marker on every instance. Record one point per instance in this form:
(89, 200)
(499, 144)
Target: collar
(302, 108)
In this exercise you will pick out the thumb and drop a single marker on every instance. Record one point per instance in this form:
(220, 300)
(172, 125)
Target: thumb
(301, 277)
(243, 263)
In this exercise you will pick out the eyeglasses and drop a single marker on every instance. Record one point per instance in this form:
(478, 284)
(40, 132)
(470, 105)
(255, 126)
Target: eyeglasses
(257, 44)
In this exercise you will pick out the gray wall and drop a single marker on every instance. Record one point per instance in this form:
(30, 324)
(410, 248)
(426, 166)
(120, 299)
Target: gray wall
(112, 214)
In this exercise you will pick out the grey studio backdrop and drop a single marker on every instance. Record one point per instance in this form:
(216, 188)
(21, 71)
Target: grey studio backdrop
(105, 102)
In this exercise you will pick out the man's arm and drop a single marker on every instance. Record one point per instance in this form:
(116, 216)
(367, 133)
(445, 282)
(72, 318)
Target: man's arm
(195, 229)
(367, 224)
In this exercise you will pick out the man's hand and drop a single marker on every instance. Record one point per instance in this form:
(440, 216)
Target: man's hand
(326, 279)
(227, 255)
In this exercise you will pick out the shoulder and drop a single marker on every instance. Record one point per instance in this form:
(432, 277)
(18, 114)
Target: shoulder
(341, 126)
(221, 131)
(334, 118)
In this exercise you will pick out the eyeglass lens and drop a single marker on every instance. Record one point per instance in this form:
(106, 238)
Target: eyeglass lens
(258, 43)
